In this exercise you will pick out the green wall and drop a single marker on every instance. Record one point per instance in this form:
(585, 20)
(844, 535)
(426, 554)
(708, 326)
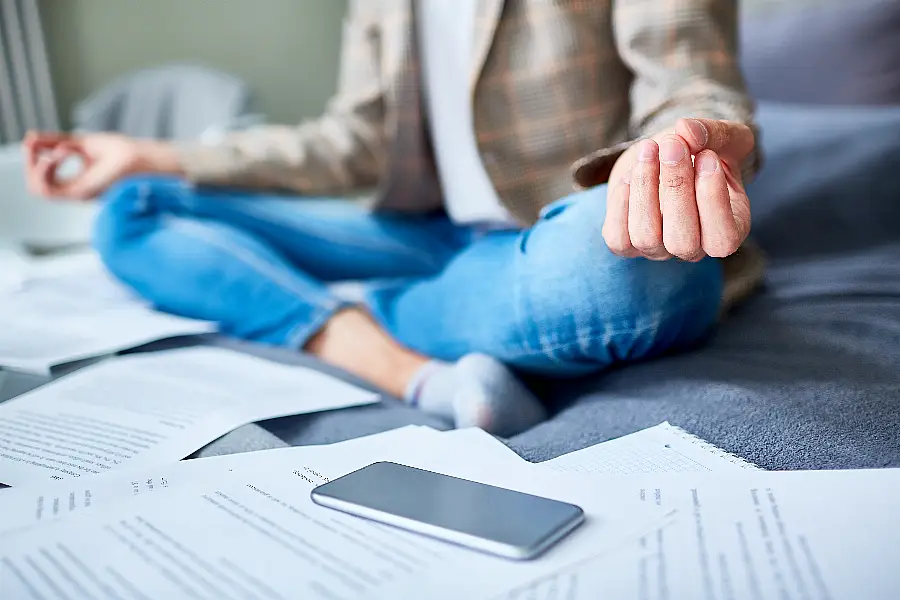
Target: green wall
(287, 50)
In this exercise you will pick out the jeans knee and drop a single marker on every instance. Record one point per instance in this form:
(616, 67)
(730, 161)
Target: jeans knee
(124, 211)
(584, 302)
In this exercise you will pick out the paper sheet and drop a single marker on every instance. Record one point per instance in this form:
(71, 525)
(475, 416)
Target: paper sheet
(151, 409)
(70, 309)
(256, 534)
(31, 506)
(13, 267)
(661, 449)
(806, 535)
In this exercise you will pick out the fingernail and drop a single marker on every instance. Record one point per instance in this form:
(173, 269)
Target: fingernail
(647, 151)
(706, 164)
(698, 132)
(626, 176)
(672, 151)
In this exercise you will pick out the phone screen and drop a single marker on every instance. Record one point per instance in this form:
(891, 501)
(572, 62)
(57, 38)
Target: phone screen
(483, 517)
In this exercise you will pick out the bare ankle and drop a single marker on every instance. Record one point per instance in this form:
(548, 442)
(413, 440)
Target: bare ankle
(353, 341)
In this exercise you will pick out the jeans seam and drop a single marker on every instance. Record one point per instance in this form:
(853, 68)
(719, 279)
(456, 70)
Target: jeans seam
(518, 302)
(250, 261)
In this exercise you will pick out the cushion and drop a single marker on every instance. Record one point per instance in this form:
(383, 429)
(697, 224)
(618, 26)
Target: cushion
(824, 52)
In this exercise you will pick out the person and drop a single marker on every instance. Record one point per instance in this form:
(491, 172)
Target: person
(557, 186)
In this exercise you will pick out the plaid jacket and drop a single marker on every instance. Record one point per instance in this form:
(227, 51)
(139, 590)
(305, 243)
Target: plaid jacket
(559, 87)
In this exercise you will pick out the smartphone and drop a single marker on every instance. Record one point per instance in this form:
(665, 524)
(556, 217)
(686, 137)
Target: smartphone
(481, 517)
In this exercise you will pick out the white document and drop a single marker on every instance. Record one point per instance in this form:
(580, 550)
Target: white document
(52, 502)
(661, 449)
(70, 309)
(807, 535)
(256, 534)
(150, 409)
(13, 267)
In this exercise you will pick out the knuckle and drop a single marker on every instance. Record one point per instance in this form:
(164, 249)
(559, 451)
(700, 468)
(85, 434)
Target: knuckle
(618, 244)
(683, 247)
(619, 247)
(732, 242)
(674, 181)
(693, 255)
(617, 240)
(647, 243)
(724, 244)
(694, 258)
(643, 180)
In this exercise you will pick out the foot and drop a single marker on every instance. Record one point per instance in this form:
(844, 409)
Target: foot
(476, 391)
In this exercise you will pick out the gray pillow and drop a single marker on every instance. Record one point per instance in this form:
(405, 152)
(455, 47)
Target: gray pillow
(826, 52)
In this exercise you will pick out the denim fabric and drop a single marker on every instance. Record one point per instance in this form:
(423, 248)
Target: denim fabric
(551, 299)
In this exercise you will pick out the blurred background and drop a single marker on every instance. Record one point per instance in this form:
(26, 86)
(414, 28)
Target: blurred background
(195, 68)
(159, 68)
(285, 50)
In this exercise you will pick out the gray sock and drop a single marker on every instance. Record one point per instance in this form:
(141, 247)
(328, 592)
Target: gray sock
(476, 391)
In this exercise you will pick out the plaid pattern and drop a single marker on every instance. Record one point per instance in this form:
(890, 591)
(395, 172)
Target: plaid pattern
(560, 89)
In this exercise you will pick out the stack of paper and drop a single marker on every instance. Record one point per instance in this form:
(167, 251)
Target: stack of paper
(740, 532)
(245, 526)
(67, 309)
(13, 268)
(153, 409)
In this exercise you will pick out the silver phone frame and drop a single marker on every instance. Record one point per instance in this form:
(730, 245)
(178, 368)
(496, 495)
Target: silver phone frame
(449, 535)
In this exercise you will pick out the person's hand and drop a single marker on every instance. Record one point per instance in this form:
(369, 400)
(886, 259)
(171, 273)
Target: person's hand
(105, 159)
(662, 205)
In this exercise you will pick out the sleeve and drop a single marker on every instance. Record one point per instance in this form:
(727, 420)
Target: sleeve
(341, 151)
(683, 55)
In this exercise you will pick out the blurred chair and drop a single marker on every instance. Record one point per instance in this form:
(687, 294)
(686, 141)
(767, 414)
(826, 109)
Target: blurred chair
(179, 101)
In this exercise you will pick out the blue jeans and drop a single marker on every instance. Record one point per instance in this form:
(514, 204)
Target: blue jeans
(550, 299)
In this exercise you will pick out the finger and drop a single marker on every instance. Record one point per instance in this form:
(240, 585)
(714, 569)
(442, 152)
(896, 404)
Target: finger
(681, 223)
(36, 143)
(41, 176)
(730, 140)
(615, 225)
(644, 217)
(723, 228)
(84, 187)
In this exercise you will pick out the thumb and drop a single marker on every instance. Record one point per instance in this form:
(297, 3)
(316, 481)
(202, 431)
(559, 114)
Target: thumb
(732, 141)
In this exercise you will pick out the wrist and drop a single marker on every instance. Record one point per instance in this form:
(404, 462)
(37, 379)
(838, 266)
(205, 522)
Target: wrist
(153, 156)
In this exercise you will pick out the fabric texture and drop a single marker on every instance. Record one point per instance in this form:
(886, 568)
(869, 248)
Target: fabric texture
(826, 52)
(446, 29)
(552, 82)
(248, 438)
(551, 299)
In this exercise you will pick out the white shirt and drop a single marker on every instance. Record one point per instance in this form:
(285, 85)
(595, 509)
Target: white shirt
(446, 41)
